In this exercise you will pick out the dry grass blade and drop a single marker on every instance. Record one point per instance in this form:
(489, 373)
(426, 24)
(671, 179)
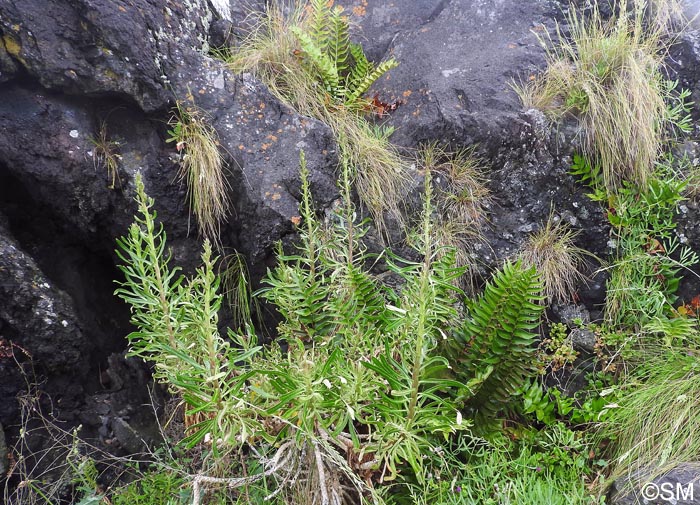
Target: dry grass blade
(202, 167)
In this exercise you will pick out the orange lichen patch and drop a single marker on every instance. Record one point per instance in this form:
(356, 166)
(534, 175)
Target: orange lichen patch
(262, 105)
(241, 147)
(512, 46)
(122, 9)
(273, 138)
(407, 93)
(202, 91)
(265, 147)
(360, 10)
(276, 196)
(296, 220)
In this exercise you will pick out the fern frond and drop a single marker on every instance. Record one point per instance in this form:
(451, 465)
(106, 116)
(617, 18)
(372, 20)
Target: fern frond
(338, 48)
(320, 60)
(498, 334)
(319, 31)
(361, 68)
(362, 86)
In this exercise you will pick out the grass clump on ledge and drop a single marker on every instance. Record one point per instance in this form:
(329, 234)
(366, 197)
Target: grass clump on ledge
(655, 427)
(202, 166)
(608, 74)
(553, 253)
(306, 59)
(105, 152)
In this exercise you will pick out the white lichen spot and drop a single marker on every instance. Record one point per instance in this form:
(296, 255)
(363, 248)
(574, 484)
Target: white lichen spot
(450, 71)
(74, 134)
(218, 81)
(64, 323)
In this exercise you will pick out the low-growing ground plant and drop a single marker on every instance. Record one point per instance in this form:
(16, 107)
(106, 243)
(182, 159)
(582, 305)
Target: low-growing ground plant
(202, 167)
(649, 257)
(534, 471)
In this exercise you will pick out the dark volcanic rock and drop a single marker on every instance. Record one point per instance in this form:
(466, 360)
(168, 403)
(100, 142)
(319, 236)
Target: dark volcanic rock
(458, 61)
(104, 46)
(678, 486)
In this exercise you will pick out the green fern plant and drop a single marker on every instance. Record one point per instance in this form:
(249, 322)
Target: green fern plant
(341, 66)
(497, 341)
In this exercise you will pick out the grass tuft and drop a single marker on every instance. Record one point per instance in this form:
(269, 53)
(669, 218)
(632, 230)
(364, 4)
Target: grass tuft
(104, 153)
(552, 252)
(655, 426)
(202, 166)
(462, 201)
(608, 74)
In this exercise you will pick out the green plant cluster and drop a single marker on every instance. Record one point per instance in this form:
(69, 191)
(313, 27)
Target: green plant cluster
(557, 351)
(341, 66)
(360, 381)
(649, 257)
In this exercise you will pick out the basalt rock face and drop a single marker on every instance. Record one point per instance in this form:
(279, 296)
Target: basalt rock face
(459, 60)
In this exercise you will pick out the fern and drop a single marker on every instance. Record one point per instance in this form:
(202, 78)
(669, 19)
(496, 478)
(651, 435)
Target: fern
(496, 341)
(342, 66)
(326, 67)
(319, 29)
(361, 67)
(338, 48)
(363, 85)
